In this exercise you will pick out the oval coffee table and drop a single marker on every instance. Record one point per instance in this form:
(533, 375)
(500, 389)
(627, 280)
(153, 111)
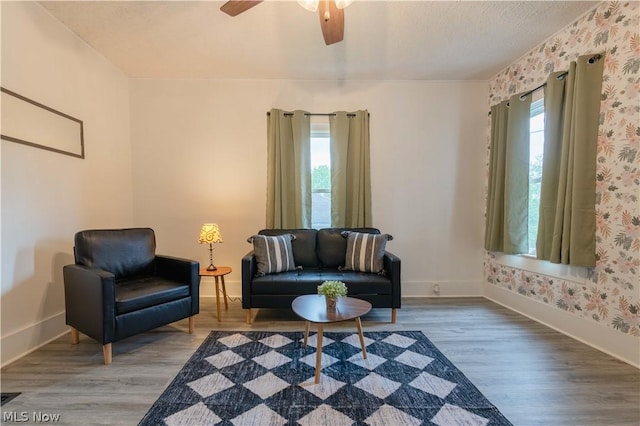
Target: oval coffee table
(313, 308)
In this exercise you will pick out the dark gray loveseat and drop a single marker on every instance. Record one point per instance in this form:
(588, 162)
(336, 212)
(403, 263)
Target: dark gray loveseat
(318, 254)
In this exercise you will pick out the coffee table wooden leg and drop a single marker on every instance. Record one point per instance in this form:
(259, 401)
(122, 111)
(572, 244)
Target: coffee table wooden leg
(306, 335)
(217, 298)
(364, 348)
(319, 354)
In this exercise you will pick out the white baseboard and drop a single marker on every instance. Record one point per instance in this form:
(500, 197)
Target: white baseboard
(605, 339)
(21, 342)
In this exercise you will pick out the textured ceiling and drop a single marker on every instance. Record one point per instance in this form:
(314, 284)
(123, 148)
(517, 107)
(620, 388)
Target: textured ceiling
(429, 40)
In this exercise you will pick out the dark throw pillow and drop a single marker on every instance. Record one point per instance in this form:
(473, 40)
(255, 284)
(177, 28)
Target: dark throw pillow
(273, 253)
(365, 252)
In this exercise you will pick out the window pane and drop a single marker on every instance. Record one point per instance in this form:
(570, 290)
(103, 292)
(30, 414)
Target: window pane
(320, 164)
(320, 210)
(320, 173)
(536, 151)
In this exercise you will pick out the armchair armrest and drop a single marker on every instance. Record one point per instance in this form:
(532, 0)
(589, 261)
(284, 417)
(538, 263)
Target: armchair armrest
(184, 271)
(177, 269)
(90, 301)
(248, 272)
(392, 265)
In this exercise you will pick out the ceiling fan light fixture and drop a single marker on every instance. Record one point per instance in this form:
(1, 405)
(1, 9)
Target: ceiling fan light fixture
(331, 16)
(341, 4)
(310, 5)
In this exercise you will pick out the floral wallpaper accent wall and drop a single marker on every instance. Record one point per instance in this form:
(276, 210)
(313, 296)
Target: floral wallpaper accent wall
(611, 293)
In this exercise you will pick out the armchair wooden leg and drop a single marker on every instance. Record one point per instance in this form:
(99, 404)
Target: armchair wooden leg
(75, 336)
(248, 315)
(192, 324)
(393, 315)
(106, 351)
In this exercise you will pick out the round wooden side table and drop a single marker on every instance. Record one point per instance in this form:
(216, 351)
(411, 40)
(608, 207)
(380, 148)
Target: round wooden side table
(313, 309)
(218, 275)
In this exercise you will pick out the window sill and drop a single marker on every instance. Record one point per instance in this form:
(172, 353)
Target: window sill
(530, 263)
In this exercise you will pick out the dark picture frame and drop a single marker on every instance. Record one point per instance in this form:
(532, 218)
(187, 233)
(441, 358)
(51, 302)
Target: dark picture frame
(31, 123)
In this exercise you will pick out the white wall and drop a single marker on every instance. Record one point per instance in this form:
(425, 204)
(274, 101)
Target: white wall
(47, 197)
(199, 150)
(199, 154)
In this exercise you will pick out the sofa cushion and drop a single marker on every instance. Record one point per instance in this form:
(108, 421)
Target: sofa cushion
(273, 253)
(303, 246)
(307, 282)
(123, 252)
(365, 251)
(135, 294)
(332, 246)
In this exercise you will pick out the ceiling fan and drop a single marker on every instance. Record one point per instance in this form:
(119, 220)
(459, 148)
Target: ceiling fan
(331, 14)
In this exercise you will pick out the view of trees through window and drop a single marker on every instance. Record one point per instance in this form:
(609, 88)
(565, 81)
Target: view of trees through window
(536, 151)
(320, 173)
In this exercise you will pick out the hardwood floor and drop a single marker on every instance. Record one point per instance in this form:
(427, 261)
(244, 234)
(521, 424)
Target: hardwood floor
(534, 375)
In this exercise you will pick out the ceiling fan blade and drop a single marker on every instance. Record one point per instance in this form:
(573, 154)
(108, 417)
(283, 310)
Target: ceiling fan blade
(333, 28)
(236, 7)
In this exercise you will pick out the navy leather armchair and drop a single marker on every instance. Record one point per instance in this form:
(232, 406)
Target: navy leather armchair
(119, 287)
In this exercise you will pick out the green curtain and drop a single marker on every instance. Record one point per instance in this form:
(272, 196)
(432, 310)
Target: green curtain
(288, 170)
(508, 192)
(494, 236)
(350, 169)
(566, 233)
(516, 205)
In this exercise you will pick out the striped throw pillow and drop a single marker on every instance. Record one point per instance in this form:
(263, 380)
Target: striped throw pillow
(273, 253)
(365, 252)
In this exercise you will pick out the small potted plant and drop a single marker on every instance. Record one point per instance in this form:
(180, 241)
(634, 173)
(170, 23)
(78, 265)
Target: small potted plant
(331, 291)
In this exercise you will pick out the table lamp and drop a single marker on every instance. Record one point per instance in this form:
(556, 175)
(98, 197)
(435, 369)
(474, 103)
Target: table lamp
(209, 234)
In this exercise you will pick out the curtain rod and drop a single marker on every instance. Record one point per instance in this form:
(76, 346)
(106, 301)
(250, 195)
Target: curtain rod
(308, 114)
(560, 76)
(524, 95)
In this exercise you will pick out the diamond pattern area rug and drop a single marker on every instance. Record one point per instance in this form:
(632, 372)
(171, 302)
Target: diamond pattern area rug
(267, 379)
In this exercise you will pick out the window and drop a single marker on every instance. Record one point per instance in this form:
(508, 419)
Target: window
(340, 158)
(536, 151)
(320, 172)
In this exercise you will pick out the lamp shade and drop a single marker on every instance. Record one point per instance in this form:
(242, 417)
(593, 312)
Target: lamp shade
(210, 233)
